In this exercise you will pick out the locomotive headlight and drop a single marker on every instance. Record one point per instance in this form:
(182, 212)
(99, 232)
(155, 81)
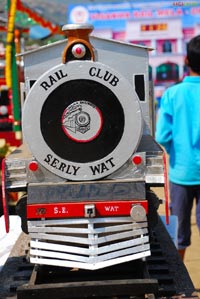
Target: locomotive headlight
(33, 166)
(138, 213)
(3, 110)
(78, 50)
(137, 160)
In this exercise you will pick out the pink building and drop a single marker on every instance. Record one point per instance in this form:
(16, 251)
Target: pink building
(168, 42)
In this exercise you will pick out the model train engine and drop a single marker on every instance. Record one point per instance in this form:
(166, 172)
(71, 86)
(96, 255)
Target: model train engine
(88, 158)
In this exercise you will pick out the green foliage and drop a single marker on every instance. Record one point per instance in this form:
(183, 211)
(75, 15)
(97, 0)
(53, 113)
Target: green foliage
(4, 150)
(23, 20)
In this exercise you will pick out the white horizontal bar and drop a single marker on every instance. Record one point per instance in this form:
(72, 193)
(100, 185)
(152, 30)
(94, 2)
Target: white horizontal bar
(58, 255)
(59, 247)
(91, 259)
(89, 251)
(77, 230)
(80, 221)
(93, 240)
(100, 265)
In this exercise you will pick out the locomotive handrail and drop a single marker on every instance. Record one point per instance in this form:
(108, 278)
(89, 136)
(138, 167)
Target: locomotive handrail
(4, 198)
(166, 189)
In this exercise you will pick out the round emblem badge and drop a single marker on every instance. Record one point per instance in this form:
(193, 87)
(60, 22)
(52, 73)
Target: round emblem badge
(82, 120)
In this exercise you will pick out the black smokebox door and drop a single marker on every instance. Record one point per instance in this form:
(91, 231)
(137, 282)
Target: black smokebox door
(90, 93)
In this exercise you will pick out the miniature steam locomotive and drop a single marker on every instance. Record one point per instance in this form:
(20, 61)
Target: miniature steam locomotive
(88, 159)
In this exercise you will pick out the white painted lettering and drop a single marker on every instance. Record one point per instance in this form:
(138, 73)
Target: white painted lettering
(111, 208)
(55, 210)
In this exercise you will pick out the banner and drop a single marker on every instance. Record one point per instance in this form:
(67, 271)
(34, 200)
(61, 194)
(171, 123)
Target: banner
(114, 16)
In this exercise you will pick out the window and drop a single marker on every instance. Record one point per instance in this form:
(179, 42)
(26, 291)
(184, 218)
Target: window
(167, 47)
(139, 87)
(167, 72)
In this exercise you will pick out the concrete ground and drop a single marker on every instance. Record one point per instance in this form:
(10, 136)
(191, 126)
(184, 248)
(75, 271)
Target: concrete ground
(192, 257)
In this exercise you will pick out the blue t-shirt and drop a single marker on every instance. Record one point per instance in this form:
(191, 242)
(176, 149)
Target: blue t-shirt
(178, 130)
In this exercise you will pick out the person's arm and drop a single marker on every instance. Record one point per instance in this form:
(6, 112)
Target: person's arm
(164, 123)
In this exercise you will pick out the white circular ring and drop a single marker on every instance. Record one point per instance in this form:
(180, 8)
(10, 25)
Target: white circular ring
(86, 70)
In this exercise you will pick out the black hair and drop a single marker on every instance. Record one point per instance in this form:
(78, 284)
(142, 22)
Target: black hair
(193, 54)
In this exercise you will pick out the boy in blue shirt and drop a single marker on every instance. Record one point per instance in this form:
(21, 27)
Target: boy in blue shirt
(178, 131)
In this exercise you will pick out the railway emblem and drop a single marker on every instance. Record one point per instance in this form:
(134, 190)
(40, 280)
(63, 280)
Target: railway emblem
(82, 121)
